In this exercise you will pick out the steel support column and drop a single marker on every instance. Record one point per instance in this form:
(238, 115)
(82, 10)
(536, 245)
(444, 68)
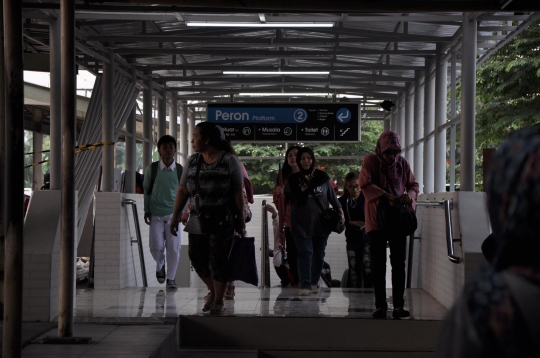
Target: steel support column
(55, 155)
(394, 116)
(2, 156)
(409, 124)
(147, 123)
(468, 106)
(37, 146)
(453, 113)
(387, 120)
(441, 84)
(68, 219)
(173, 119)
(162, 114)
(401, 117)
(418, 130)
(191, 121)
(184, 137)
(107, 124)
(14, 188)
(131, 152)
(429, 125)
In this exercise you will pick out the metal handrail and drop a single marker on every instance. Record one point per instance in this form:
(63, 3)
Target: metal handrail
(139, 238)
(265, 261)
(446, 204)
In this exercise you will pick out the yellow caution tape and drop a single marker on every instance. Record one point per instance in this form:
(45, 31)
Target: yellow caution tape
(79, 148)
(84, 147)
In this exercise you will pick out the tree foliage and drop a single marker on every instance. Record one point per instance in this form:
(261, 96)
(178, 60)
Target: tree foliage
(508, 89)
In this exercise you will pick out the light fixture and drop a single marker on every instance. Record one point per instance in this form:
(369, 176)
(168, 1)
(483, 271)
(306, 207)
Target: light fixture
(277, 73)
(259, 24)
(282, 94)
(387, 105)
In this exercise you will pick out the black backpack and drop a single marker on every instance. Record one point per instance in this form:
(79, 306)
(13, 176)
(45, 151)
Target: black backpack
(154, 171)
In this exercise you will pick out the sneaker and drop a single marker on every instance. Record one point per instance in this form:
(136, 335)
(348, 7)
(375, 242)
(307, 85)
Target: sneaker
(380, 313)
(304, 292)
(160, 275)
(315, 289)
(400, 313)
(171, 285)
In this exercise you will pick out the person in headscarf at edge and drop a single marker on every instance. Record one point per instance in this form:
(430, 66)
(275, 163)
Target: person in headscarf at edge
(387, 173)
(496, 315)
(308, 232)
(284, 216)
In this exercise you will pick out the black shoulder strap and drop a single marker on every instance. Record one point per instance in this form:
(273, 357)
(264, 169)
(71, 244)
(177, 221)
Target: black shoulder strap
(197, 187)
(154, 171)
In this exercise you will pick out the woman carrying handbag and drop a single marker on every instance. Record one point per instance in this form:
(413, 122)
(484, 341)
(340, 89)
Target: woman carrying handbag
(386, 174)
(306, 191)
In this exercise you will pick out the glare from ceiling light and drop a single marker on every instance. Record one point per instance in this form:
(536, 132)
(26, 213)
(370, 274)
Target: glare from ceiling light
(282, 94)
(259, 24)
(276, 73)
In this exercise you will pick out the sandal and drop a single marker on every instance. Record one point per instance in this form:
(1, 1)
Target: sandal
(209, 304)
(218, 309)
(205, 298)
(229, 293)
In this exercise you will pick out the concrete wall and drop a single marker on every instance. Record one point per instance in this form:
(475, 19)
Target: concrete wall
(42, 256)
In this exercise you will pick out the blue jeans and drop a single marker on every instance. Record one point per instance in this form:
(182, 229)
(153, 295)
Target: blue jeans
(310, 259)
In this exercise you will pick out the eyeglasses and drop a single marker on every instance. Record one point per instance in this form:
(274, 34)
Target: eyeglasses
(354, 187)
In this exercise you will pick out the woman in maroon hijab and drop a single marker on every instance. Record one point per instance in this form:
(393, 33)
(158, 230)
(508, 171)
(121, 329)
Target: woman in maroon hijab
(387, 173)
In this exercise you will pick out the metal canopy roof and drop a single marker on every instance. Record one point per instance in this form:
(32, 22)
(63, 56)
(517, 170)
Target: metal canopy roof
(372, 55)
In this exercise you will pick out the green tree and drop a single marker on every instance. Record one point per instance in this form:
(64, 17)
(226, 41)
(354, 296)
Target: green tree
(508, 89)
(507, 94)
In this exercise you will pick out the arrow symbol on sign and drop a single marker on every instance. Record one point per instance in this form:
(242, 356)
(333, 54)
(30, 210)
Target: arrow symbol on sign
(343, 116)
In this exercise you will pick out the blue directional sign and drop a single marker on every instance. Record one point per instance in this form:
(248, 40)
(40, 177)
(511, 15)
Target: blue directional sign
(343, 115)
(287, 122)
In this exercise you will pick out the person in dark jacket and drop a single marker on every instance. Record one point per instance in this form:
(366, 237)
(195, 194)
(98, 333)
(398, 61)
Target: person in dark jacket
(358, 255)
(302, 190)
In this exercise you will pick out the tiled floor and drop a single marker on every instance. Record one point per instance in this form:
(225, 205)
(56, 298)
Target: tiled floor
(158, 304)
(131, 321)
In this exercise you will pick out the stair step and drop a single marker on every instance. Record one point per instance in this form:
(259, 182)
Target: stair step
(221, 353)
(301, 333)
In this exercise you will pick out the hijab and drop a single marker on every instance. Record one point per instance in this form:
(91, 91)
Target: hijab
(391, 173)
(513, 188)
(303, 182)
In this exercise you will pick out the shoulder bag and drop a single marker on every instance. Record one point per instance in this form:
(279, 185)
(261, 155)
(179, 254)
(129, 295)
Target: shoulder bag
(398, 219)
(330, 218)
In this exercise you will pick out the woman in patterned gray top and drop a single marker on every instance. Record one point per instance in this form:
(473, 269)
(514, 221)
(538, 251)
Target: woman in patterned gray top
(220, 185)
(309, 234)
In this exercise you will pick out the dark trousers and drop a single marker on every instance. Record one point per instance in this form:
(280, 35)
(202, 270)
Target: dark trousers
(292, 254)
(398, 248)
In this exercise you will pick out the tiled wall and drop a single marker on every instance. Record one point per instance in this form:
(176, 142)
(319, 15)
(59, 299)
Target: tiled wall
(433, 271)
(42, 256)
(117, 261)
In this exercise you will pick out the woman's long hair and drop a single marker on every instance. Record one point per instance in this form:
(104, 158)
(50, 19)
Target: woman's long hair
(350, 176)
(286, 169)
(215, 136)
